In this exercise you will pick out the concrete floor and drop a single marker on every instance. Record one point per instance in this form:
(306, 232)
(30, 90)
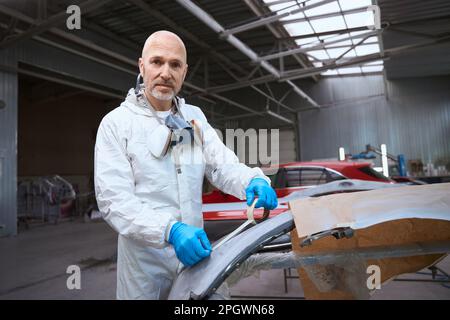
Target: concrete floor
(34, 264)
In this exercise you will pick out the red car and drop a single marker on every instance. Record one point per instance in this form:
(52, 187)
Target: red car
(222, 213)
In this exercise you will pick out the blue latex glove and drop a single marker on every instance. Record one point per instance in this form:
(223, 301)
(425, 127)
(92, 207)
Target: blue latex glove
(267, 197)
(191, 244)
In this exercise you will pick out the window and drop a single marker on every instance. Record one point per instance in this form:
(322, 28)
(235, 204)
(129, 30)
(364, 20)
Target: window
(372, 173)
(312, 177)
(273, 180)
(293, 178)
(308, 28)
(298, 177)
(333, 176)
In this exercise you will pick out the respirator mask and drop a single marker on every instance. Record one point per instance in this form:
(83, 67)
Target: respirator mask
(174, 130)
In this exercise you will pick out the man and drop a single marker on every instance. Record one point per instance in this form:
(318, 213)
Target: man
(147, 185)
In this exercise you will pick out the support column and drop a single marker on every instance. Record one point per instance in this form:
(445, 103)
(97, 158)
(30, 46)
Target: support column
(8, 143)
(298, 137)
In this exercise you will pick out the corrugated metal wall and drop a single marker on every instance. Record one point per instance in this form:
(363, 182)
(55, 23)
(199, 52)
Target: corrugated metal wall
(8, 145)
(409, 21)
(257, 148)
(413, 118)
(49, 58)
(53, 59)
(288, 148)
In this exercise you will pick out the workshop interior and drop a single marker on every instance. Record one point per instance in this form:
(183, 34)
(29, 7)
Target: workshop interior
(343, 105)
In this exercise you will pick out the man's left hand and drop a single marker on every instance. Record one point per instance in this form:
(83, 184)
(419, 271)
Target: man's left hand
(267, 197)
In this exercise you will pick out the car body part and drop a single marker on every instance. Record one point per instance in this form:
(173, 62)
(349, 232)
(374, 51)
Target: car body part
(225, 217)
(250, 221)
(338, 233)
(203, 279)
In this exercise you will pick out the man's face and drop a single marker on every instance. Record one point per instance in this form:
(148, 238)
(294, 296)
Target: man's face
(163, 68)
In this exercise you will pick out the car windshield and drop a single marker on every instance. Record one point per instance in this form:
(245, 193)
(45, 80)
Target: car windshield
(303, 176)
(272, 179)
(373, 173)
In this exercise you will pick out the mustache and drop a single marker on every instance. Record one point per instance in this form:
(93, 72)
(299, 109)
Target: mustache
(164, 83)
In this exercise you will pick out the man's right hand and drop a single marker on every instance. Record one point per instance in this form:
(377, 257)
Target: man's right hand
(191, 244)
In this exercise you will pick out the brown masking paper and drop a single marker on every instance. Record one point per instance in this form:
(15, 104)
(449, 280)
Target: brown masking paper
(391, 217)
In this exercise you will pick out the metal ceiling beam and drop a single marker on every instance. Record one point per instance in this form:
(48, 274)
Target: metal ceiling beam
(154, 12)
(417, 21)
(193, 71)
(89, 24)
(290, 75)
(300, 92)
(316, 47)
(280, 117)
(158, 15)
(61, 80)
(281, 34)
(270, 19)
(67, 36)
(41, 10)
(206, 73)
(243, 84)
(54, 20)
(259, 91)
(234, 103)
(234, 76)
(345, 59)
(302, 73)
(106, 52)
(213, 24)
(57, 96)
(327, 33)
(326, 15)
(238, 116)
(366, 43)
(412, 33)
(78, 52)
(95, 27)
(9, 29)
(277, 2)
(353, 46)
(267, 112)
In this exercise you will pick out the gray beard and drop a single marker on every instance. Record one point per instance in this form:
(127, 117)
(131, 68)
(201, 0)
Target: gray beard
(160, 96)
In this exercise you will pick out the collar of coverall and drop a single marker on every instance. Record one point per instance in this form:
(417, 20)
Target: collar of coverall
(163, 136)
(140, 104)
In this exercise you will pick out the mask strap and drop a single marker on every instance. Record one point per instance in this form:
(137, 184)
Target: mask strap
(139, 86)
(177, 107)
(138, 90)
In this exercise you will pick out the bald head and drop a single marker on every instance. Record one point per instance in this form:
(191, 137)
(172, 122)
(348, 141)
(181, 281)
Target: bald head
(166, 38)
(163, 67)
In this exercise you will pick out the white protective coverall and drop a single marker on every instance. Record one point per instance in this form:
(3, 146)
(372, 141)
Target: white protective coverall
(141, 196)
